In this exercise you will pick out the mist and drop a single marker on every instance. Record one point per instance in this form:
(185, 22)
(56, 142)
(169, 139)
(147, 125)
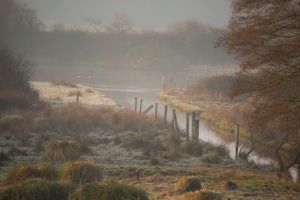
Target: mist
(149, 99)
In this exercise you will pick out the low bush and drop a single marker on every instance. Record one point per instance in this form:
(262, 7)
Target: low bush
(22, 173)
(230, 185)
(17, 99)
(110, 191)
(211, 158)
(3, 157)
(62, 151)
(203, 195)
(81, 172)
(36, 189)
(188, 184)
(220, 149)
(193, 148)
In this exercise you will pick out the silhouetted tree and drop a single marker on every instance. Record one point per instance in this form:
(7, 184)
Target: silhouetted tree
(15, 74)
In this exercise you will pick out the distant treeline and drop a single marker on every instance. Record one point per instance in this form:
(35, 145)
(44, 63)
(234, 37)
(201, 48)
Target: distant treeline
(115, 45)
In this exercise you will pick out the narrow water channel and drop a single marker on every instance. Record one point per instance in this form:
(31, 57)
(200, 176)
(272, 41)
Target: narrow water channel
(124, 96)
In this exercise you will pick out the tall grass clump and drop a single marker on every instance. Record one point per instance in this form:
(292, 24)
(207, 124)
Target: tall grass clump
(36, 189)
(203, 195)
(110, 190)
(22, 173)
(188, 184)
(62, 151)
(80, 172)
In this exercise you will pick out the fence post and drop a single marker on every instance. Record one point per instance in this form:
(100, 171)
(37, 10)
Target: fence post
(237, 137)
(77, 97)
(175, 122)
(135, 104)
(156, 111)
(187, 127)
(166, 114)
(197, 123)
(193, 125)
(141, 105)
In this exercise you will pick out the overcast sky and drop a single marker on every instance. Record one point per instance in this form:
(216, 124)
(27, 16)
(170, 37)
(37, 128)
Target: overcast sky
(145, 14)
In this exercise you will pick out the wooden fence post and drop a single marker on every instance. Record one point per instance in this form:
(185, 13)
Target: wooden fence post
(193, 125)
(166, 114)
(135, 104)
(237, 137)
(156, 111)
(197, 130)
(175, 122)
(141, 105)
(187, 127)
(77, 97)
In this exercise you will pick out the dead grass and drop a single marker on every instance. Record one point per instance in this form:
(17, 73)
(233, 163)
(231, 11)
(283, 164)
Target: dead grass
(25, 172)
(80, 172)
(110, 190)
(36, 189)
(64, 83)
(201, 195)
(188, 184)
(62, 151)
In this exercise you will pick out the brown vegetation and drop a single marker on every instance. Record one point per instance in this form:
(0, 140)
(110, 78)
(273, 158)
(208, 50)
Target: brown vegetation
(36, 189)
(62, 151)
(81, 172)
(110, 190)
(264, 37)
(185, 185)
(25, 172)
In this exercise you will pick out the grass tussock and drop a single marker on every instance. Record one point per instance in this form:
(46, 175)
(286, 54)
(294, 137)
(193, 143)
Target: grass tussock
(202, 195)
(23, 173)
(59, 150)
(81, 172)
(36, 189)
(110, 190)
(188, 184)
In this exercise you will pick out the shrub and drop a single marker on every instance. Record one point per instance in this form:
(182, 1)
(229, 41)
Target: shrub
(213, 88)
(220, 149)
(110, 191)
(211, 158)
(81, 171)
(62, 151)
(203, 195)
(186, 184)
(22, 173)
(230, 185)
(3, 157)
(193, 148)
(36, 189)
(17, 99)
(15, 90)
